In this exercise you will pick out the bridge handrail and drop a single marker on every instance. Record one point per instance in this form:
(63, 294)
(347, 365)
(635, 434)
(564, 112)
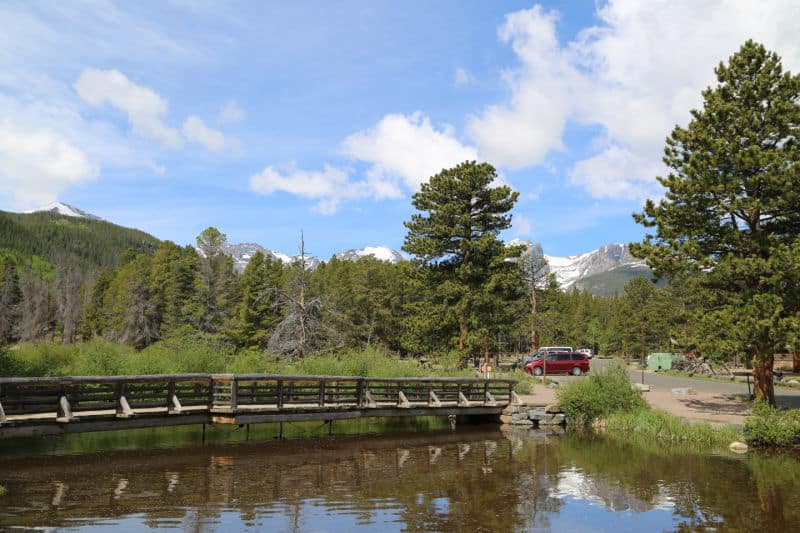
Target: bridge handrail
(230, 392)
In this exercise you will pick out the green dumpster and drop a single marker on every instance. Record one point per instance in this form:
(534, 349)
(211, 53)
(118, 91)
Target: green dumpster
(659, 361)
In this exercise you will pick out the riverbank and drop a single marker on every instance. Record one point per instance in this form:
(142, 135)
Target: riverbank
(716, 409)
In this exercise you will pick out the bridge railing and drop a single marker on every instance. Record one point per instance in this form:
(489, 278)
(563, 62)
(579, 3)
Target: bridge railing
(70, 396)
(280, 390)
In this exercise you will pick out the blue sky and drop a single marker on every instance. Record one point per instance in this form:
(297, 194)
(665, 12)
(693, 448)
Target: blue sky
(265, 118)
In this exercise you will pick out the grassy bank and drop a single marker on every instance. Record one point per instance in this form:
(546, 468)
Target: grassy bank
(654, 425)
(607, 400)
(180, 355)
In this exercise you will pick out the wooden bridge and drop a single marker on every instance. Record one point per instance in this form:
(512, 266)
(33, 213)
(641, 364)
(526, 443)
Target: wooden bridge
(57, 405)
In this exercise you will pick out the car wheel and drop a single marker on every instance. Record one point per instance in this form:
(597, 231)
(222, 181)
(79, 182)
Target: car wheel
(576, 371)
(537, 370)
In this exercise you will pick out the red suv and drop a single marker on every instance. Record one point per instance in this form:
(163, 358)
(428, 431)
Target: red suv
(560, 363)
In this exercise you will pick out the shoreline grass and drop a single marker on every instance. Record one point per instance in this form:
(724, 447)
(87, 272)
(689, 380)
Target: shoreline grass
(655, 425)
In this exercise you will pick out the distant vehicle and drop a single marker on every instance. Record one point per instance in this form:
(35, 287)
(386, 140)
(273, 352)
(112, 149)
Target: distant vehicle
(540, 352)
(587, 351)
(560, 363)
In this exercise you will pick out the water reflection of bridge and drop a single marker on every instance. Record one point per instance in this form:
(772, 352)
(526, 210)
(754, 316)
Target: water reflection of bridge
(52, 406)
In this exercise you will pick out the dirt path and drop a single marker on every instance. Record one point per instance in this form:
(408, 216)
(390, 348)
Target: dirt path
(706, 402)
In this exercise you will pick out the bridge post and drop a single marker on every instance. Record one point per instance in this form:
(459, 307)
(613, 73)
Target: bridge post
(2, 414)
(279, 393)
(322, 393)
(174, 406)
(234, 392)
(123, 408)
(64, 412)
(360, 392)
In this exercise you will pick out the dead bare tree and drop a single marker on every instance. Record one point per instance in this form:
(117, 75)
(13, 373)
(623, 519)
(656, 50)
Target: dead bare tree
(303, 328)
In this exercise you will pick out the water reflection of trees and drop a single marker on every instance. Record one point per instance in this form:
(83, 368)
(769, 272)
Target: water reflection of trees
(441, 481)
(474, 480)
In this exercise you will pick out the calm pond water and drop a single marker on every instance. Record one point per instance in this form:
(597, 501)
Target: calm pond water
(417, 477)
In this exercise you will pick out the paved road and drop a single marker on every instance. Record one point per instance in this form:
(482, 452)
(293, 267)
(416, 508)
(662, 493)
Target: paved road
(665, 382)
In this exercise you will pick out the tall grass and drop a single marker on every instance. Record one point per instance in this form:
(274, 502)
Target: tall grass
(604, 392)
(653, 425)
(195, 354)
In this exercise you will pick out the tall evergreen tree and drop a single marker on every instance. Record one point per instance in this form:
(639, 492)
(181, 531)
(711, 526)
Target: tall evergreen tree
(454, 240)
(260, 307)
(10, 298)
(217, 281)
(731, 213)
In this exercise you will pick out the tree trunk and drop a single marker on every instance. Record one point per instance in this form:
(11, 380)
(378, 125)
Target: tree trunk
(762, 378)
(795, 361)
(534, 329)
(463, 330)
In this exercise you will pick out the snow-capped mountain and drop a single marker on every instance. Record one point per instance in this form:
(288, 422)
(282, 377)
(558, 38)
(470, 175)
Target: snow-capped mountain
(573, 269)
(243, 252)
(64, 209)
(378, 252)
(569, 270)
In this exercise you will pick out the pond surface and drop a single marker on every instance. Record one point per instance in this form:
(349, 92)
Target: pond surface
(419, 477)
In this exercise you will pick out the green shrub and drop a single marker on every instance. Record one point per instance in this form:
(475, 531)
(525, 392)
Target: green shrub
(600, 394)
(653, 425)
(768, 426)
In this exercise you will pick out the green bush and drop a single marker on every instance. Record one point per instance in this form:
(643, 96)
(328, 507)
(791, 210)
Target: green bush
(653, 425)
(768, 426)
(604, 392)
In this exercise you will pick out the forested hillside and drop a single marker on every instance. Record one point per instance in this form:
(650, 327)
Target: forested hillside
(64, 240)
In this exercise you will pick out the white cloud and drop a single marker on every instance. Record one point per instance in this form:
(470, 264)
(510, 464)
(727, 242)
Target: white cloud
(231, 113)
(36, 165)
(195, 130)
(462, 77)
(144, 107)
(522, 132)
(521, 224)
(404, 151)
(401, 152)
(329, 186)
(635, 74)
(617, 173)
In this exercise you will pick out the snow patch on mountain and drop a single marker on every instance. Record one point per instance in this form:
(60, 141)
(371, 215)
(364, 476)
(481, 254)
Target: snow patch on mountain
(60, 208)
(570, 269)
(381, 253)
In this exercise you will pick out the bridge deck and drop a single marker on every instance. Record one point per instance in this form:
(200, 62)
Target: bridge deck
(50, 406)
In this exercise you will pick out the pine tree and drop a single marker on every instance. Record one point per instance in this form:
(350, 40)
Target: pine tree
(455, 241)
(259, 309)
(731, 213)
(217, 282)
(10, 298)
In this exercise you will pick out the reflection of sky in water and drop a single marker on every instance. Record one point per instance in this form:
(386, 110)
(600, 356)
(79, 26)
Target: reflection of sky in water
(577, 485)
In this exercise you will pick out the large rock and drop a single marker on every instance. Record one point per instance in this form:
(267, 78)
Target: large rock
(738, 447)
(522, 422)
(553, 408)
(505, 419)
(549, 420)
(641, 387)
